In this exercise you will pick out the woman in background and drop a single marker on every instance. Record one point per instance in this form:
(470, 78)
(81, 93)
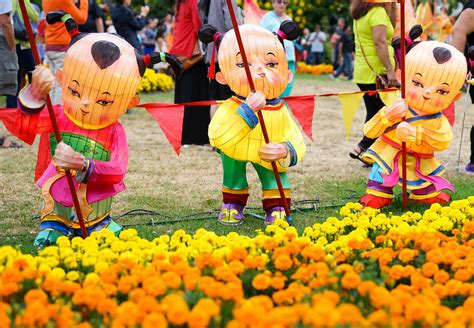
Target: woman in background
(373, 29)
(192, 85)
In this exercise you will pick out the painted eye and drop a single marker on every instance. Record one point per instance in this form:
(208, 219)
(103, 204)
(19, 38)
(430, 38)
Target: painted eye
(73, 92)
(240, 65)
(272, 65)
(442, 92)
(417, 84)
(104, 102)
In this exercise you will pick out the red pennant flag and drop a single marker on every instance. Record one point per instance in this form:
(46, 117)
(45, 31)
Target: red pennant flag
(9, 117)
(303, 110)
(450, 114)
(170, 119)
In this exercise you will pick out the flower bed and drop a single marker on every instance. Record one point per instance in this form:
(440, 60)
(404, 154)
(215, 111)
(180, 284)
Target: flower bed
(314, 69)
(153, 81)
(364, 268)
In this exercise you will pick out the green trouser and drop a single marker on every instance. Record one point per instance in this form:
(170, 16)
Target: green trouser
(235, 179)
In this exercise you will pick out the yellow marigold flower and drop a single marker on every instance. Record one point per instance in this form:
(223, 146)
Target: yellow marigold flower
(429, 269)
(72, 276)
(261, 282)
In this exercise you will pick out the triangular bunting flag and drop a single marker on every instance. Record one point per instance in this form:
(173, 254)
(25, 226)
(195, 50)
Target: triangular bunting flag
(170, 119)
(388, 98)
(350, 104)
(302, 108)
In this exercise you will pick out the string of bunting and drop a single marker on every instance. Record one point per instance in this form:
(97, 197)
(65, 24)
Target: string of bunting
(170, 116)
(302, 108)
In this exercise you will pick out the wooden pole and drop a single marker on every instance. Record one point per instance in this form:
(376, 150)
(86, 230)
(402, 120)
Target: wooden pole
(402, 70)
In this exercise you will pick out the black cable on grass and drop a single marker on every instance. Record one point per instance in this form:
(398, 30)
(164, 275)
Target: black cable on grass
(302, 207)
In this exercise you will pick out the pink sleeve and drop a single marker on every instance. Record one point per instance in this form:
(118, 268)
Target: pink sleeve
(26, 126)
(113, 171)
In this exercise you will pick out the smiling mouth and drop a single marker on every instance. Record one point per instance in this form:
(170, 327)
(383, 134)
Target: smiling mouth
(84, 112)
(426, 98)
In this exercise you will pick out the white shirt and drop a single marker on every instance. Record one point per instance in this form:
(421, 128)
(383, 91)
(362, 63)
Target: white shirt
(5, 8)
(317, 44)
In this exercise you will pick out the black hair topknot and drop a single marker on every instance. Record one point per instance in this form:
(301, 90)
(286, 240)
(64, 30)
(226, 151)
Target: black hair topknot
(442, 55)
(105, 53)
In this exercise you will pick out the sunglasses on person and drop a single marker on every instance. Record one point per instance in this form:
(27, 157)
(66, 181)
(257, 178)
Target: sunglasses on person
(281, 2)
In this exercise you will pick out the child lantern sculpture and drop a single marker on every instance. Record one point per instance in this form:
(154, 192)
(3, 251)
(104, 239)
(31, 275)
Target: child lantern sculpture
(100, 78)
(435, 73)
(236, 131)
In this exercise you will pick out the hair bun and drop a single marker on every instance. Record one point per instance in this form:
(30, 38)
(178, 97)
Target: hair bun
(206, 33)
(290, 29)
(415, 31)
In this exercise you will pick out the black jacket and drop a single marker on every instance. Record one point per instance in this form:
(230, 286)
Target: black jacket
(126, 24)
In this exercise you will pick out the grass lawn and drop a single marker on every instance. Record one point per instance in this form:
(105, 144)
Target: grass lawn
(166, 193)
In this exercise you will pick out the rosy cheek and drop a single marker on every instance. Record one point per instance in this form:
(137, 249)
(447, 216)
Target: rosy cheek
(412, 94)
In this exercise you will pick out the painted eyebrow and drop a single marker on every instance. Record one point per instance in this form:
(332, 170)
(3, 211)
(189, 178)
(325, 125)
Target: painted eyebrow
(76, 82)
(419, 74)
(237, 54)
(445, 84)
(271, 53)
(106, 93)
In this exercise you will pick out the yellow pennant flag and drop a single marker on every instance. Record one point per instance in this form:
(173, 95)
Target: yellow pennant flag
(350, 104)
(388, 98)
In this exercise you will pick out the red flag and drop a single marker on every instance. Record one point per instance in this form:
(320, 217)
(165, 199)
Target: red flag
(170, 119)
(450, 114)
(303, 110)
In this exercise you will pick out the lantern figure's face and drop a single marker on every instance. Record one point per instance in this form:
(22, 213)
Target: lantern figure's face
(435, 74)
(99, 81)
(267, 62)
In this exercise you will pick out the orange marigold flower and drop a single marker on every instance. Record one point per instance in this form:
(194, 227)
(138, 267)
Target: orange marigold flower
(261, 281)
(314, 253)
(350, 280)
(283, 262)
(429, 269)
(237, 254)
(462, 275)
(396, 272)
(441, 276)
(155, 320)
(407, 255)
(278, 281)
(350, 315)
(468, 227)
(365, 287)
(171, 279)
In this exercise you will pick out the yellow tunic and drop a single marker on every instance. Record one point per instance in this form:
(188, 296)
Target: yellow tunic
(433, 134)
(231, 134)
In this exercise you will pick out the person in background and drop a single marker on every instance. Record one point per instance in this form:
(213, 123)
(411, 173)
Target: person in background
(373, 27)
(463, 38)
(335, 38)
(317, 40)
(216, 13)
(193, 84)
(161, 46)
(272, 21)
(57, 39)
(9, 69)
(95, 22)
(346, 54)
(148, 36)
(127, 24)
(26, 62)
(305, 45)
